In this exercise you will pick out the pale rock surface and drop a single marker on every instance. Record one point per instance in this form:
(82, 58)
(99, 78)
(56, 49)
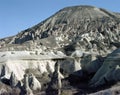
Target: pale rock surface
(21, 61)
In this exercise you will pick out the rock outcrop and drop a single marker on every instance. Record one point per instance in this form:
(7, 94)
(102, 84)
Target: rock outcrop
(26, 87)
(13, 80)
(34, 83)
(19, 62)
(109, 71)
(55, 85)
(30, 84)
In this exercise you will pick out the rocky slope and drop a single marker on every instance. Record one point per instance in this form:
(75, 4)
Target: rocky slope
(79, 25)
(109, 71)
(78, 38)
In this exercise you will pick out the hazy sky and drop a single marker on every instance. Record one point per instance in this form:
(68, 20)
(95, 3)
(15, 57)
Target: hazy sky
(18, 15)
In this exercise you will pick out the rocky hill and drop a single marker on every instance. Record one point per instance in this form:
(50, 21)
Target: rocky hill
(71, 25)
(73, 45)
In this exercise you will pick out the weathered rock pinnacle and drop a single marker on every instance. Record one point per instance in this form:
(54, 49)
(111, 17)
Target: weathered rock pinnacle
(27, 89)
(55, 85)
(13, 80)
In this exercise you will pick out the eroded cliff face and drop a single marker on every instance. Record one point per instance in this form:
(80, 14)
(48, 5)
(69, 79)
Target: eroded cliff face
(78, 38)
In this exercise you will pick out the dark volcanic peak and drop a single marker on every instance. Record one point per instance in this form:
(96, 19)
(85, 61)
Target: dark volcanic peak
(77, 14)
(83, 12)
(69, 23)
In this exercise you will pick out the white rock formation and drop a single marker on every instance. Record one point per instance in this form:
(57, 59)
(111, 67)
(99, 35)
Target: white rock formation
(21, 61)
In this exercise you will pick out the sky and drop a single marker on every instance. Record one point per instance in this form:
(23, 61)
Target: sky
(18, 15)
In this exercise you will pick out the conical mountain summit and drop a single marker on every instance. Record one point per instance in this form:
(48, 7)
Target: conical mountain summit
(76, 19)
